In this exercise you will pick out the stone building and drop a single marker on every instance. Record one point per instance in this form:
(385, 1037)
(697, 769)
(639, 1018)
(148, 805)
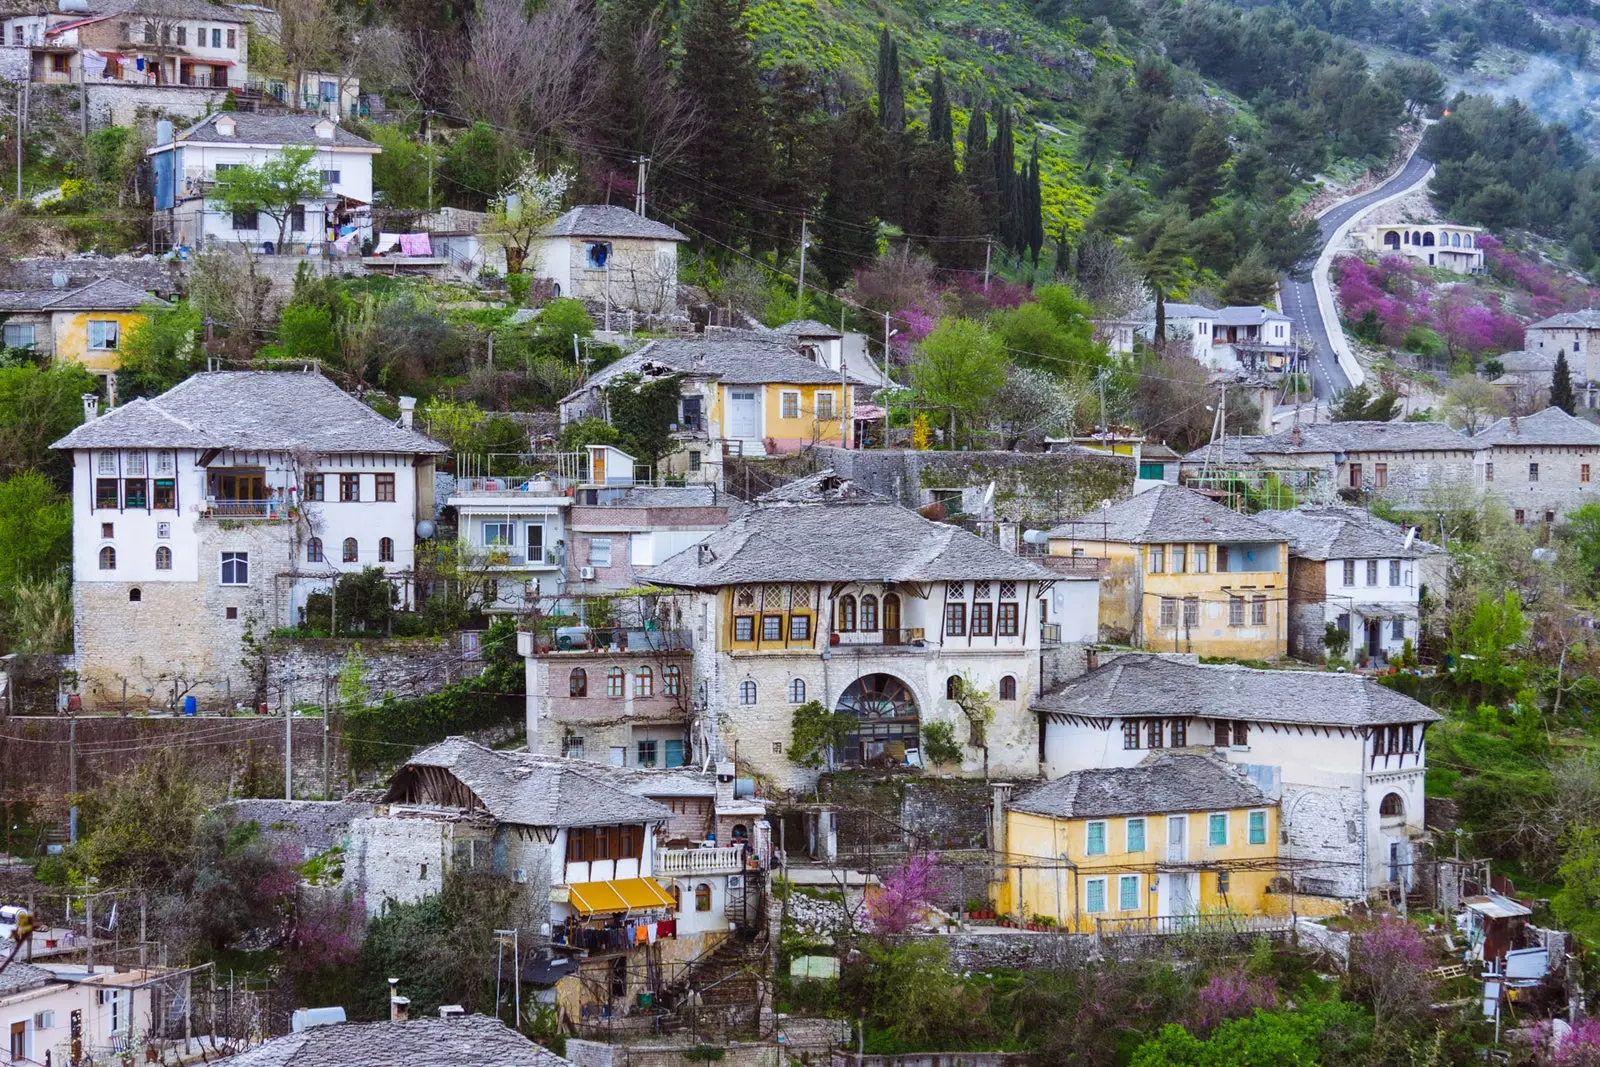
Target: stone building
(1575, 332)
(823, 593)
(1361, 573)
(1182, 573)
(610, 256)
(1541, 466)
(1342, 756)
(214, 510)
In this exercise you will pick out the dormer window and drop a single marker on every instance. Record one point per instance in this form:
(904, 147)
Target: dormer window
(324, 130)
(227, 127)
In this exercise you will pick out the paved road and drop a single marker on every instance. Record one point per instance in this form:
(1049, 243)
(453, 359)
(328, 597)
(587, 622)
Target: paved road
(1300, 299)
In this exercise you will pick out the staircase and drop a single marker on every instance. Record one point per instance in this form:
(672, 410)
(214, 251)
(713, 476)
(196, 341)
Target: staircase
(725, 988)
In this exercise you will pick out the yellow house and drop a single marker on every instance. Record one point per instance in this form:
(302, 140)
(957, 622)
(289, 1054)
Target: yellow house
(741, 394)
(1185, 574)
(1178, 835)
(86, 324)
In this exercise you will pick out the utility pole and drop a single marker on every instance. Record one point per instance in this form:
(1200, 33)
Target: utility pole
(72, 778)
(19, 142)
(800, 285)
(638, 193)
(88, 908)
(988, 250)
(427, 120)
(1102, 381)
(327, 779)
(83, 95)
(288, 738)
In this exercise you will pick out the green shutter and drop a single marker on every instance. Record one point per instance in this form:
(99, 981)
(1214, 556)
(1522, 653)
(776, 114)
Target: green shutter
(1219, 830)
(1128, 893)
(1097, 839)
(1095, 896)
(1258, 827)
(1135, 835)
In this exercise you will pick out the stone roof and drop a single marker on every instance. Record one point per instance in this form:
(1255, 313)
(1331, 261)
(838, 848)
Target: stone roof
(467, 1041)
(268, 411)
(1171, 782)
(252, 128)
(1248, 315)
(866, 540)
(1166, 513)
(1552, 426)
(515, 787)
(732, 362)
(807, 328)
(1338, 531)
(102, 294)
(1141, 685)
(1588, 319)
(604, 220)
(186, 9)
(1526, 361)
(825, 486)
(1347, 437)
(20, 976)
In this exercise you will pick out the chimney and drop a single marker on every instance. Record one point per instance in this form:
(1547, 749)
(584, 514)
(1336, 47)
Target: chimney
(91, 406)
(1294, 436)
(399, 1007)
(1513, 424)
(451, 1011)
(408, 407)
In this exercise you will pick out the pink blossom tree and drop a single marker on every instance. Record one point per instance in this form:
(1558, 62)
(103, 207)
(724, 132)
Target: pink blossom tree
(1389, 969)
(904, 893)
(1579, 1048)
(1231, 994)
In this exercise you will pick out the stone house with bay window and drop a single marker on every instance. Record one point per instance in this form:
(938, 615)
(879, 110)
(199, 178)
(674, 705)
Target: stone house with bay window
(216, 509)
(1341, 755)
(822, 592)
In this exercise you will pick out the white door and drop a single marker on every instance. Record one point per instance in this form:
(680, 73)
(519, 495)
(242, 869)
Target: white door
(1177, 839)
(743, 415)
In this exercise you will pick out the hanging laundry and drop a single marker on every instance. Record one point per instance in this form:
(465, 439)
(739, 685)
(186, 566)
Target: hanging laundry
(653, 928)
(415, 244)
(386, 241)
(94, 64)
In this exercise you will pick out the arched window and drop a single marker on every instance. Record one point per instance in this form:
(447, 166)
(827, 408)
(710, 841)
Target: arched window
(886, 721)
(741, 833)
(1469, 240)
(747, 692)
(952, 687)
(847, 614)
(1427, 239)
(1392, 806)
(578, 682)
(869, 613)
(1008, 688)
(163, 558)
(314, 550)
(797, 691)
(108, 558)
(702, 897)
(644, 682)
(891, 612)
(672, 681)
(351, 553)
(386, 550)
(614, 682)
(1391, 239)
(134, 595)
(1455, 240)
(1416, 237)
(677, 897)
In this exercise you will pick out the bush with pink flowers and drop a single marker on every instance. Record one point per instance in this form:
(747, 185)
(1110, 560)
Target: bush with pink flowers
(1391, 303)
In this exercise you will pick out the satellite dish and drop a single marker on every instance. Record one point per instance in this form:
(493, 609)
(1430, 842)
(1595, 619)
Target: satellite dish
(425, 529)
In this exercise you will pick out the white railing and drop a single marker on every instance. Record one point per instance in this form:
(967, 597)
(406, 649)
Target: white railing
(692, 861)
(1176, 925)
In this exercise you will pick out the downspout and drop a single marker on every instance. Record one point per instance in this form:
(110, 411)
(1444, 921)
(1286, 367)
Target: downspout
(1366, 872)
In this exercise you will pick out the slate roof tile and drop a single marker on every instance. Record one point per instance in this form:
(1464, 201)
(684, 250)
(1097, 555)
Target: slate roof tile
(1172, 782)
(467, 1041)
(1338, 531)
(1166, 513)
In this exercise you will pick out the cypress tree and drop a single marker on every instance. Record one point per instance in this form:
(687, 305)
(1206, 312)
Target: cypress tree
(941, 130)
(1207, 156)
(891, 93)
(1005, 176)
(847, 234)
(977, 167)
(1034, 216)
(1562, 394)
(720, 76)
(1063, 254)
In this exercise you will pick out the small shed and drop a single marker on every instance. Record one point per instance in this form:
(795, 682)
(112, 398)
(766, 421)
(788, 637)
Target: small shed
(1493, 924)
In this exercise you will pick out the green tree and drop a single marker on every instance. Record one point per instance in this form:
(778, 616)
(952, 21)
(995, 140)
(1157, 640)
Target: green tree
(1357, 404)
(1486, 647)
(1577, 902)
(1164, 259)
(958, 367)
(38, 406)
(1561, 391)
(400, 171)
(891, 90)
(141, 826)
(848, 231)
(1208, 155)
(1582, 529)
(273, 187)
(35, 530)
(1321, 1032)
(977, 170)
(307, 331)
(720, 76)
(941, 128)
(478, 164)
(161, 350)
(643, 413)
(1251, 281)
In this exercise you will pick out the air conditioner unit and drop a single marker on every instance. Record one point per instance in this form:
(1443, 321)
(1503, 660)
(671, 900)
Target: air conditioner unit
(735, 881)
(586, 573)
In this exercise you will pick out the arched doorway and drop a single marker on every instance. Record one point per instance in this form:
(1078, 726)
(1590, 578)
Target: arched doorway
(1391, 239)
(886, 717)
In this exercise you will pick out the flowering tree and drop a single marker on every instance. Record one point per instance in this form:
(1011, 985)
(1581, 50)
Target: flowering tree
(1389, 965)
(1232, 994)
(1580, 1047)
(518, 216)
(903, 895)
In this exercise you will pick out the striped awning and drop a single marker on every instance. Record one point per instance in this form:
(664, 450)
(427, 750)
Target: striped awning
(623, 894)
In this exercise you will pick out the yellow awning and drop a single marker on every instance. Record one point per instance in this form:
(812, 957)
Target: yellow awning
(624, 894)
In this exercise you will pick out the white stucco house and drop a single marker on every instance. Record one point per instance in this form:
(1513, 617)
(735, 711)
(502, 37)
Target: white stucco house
(186, 168)
(1360, 573)
(1343, 756)
(216, 509)
(611, 256)
(1237, 337)
(1445, 245)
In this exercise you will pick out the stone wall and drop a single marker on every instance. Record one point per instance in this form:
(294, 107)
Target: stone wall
(1560, 487)
(16, 64)
(178, 638)
(240, 755)
(1324, 824)
(164, 277)
(398, 667)
(1015, 950)
(402, 860)
(306, 826)
(805, 1041)
(140, 106)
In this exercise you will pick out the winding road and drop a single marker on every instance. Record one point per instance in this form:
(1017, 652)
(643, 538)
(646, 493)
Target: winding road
(1300, 297)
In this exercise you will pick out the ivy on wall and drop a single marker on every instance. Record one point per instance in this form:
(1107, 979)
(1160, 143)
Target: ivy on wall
(643, 413)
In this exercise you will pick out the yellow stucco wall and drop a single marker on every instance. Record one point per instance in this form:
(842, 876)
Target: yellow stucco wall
(732, 610)
(70, 335)
(1131, 593)
(806, 428)
(1063, 894)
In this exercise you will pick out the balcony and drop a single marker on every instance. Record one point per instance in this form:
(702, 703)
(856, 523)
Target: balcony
(601, 639)
(247, 509)
(689, 862)
(910, 638)
(501, 559)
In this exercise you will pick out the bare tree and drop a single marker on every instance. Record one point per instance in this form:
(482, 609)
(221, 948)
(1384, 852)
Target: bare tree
(394, 58)
(314, 38)
(667, 119)
(528, 73)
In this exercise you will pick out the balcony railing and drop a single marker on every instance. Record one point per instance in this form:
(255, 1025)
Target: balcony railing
(1176, 925)
(679, 862)
(246, 509)
(502, 558)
